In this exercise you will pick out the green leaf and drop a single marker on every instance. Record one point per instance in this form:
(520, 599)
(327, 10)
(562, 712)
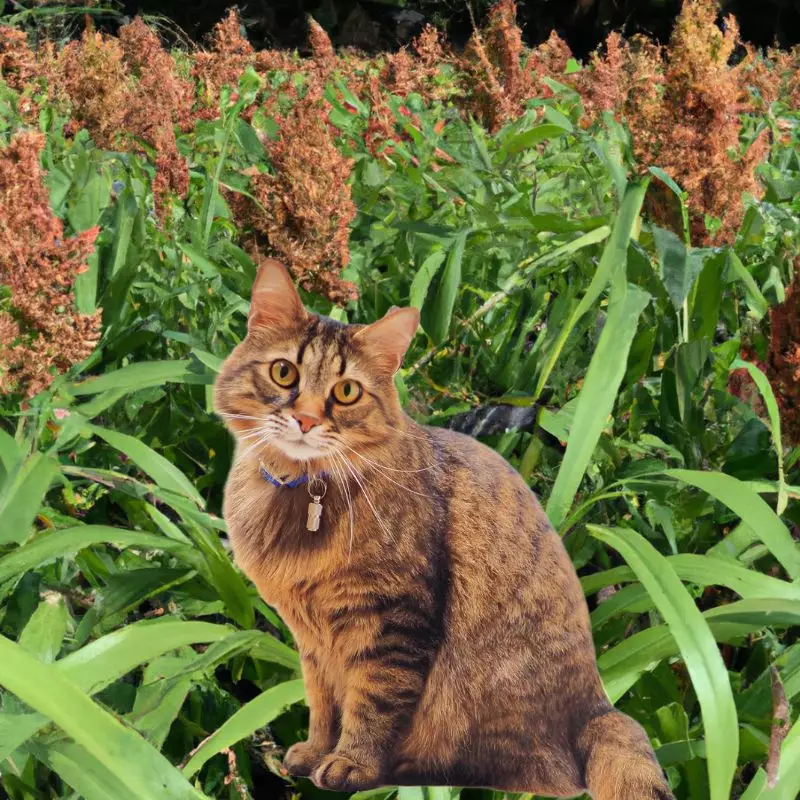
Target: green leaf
(56, 544)
(10, 455)
(83, 772)
(21, 496)
(200, 260)
(44, 631)
(621, 666)
(758, 304)
(752, 509)
(530, 138)
(100, 663)
(441, 312)
(698, 649)
(599, 392)
(422, 280)
(705, 571)
(127, 589)
(221, 574)
(764, 387)
(678, 266)
(614, 257)
(121, 750)
(251, 716)
(665, 178)
(214, 363)
(140, 376)
(163, 472)
(159, 699)
(108, 658)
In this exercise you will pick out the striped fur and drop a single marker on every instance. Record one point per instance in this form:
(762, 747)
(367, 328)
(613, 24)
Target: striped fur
(443, 634)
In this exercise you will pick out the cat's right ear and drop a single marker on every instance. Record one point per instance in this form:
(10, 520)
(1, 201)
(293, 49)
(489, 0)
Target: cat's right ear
(275, 302)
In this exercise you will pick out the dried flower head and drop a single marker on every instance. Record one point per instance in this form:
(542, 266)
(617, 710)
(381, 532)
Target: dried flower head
(323, 56)
(90, 74)
(41, 334)
(684, 106)
(159, 100)
(305, 208)
(17, 60)
(226, 61)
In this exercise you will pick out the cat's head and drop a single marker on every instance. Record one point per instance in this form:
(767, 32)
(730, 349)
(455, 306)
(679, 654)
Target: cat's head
(300, 385)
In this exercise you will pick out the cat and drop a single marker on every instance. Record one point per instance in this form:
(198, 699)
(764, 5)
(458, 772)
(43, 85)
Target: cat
(443, 635)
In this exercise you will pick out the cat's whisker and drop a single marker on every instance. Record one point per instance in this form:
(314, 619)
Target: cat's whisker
(257, 431)
(385, 466)
(258, 443)
(239, 416)
(346, 492)
(377, 516)
(376, 468)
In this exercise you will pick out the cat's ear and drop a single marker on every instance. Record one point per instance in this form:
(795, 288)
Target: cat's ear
(387, 340)
(275, 302)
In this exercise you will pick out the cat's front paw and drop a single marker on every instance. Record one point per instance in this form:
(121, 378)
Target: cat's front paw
(302, 759)
(342, 774)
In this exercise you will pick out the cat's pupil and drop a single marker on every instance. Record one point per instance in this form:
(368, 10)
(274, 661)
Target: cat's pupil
(346, 390)
(284, 371)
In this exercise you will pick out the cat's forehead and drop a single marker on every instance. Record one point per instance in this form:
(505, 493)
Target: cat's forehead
(322, 349)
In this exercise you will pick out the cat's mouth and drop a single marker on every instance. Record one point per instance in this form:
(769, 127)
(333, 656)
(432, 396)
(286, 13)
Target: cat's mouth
(299, 449)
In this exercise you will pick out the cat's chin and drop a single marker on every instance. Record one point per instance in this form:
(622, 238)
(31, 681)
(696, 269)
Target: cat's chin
(299, 450)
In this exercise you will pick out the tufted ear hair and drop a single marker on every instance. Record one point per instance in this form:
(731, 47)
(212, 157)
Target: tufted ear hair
(275, 302)
(387, 340)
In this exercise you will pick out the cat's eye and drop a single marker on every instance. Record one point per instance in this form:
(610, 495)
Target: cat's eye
(284, 373)
(347, 392)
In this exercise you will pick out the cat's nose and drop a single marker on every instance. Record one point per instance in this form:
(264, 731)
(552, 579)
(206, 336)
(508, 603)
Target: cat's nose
(306, 421)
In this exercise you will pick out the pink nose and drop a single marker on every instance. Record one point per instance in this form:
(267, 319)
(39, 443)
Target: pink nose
(306, 421)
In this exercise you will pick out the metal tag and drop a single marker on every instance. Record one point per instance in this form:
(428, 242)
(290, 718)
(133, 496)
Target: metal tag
(314, 514)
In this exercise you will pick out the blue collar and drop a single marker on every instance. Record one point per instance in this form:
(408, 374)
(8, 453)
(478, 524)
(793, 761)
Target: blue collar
(293, 484)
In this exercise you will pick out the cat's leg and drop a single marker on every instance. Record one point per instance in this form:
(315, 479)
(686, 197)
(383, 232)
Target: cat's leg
(384, 685)
(620, 763)
(323, 730)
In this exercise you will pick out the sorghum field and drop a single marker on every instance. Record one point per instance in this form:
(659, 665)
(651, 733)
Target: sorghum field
(606, 250)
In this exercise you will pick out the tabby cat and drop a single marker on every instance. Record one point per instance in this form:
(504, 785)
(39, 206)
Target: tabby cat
(443, 634)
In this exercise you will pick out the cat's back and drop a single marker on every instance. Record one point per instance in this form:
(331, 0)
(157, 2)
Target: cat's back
(488, 499)
(499, 537)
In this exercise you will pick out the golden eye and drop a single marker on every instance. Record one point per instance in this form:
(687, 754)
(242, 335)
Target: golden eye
(284, 373)
(347, 392)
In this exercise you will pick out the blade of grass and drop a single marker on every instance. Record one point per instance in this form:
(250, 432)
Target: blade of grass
(162, 471)
(121, 750)
(107, 659)
(697, 646)
(704, 571)
(763, 384)
(787, 787)
(599, 392)
(621, 666)
(21, 496)
(140, 376)
(66, 542)
(251, 716)
(81, 771)
(752, 509)
(614, 257)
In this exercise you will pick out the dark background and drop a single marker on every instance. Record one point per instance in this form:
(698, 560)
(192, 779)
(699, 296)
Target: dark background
(386, 25)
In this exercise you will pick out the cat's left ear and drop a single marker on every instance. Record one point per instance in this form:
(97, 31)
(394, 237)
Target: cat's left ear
(275, 302)
(387, 340)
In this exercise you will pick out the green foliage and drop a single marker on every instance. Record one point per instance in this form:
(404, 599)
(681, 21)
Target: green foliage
(133, 652)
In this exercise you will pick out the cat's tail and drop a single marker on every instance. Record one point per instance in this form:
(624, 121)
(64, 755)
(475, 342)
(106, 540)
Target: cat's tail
(619, 761)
